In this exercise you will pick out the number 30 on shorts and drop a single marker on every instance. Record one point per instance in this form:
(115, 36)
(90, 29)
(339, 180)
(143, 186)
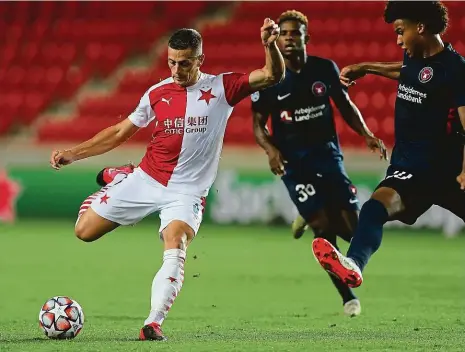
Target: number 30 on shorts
(305, 191)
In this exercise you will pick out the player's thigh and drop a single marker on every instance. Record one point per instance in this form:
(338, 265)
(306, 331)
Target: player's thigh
(405, 195)
(128, 199)
(181, 216)
(92, 226)
(452, 198)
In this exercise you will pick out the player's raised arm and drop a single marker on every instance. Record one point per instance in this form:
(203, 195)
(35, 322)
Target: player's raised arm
(274, 69)
(101, 143)
(351, 73)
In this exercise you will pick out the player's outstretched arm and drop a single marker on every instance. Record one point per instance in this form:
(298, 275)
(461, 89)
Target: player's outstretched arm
(101, 143)
(350, 74)
(274, 69)
(263, 138)
(352, 116)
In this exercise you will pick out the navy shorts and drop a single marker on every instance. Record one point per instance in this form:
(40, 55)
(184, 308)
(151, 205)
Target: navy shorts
(419, 190)
(313, 190)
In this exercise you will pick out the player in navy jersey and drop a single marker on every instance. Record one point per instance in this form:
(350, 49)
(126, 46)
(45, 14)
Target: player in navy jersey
(304, 148)
(427, 166)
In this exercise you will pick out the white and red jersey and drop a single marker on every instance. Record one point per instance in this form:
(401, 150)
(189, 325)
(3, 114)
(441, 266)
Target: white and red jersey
(189, 128)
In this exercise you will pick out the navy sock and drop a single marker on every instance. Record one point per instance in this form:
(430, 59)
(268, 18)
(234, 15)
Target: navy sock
(345, 291)
(369, 232)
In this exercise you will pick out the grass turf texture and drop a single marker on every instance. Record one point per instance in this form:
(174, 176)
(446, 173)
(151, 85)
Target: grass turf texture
(246, 289)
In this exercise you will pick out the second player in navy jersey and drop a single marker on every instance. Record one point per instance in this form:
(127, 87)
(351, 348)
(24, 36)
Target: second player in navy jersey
(304, 147)
(427, 164)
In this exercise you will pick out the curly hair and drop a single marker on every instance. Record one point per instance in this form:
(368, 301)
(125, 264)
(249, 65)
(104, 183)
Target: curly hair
(293, 15)
(433, 14)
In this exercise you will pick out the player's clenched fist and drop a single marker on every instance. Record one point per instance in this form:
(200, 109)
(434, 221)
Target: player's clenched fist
(269, 31)
(61, 158)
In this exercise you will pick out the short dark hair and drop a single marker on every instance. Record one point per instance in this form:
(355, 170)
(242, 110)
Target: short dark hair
(433, 14)
(293, 15)
(185, 38)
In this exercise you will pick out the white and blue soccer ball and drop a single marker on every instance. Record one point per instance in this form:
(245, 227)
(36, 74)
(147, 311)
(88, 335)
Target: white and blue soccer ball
(61, 318)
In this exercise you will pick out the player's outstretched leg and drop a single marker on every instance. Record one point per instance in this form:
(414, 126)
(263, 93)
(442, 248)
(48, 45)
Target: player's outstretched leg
(365, 242)
(168, 281)
(108, 174)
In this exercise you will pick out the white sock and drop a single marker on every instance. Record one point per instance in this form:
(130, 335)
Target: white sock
(166, 285)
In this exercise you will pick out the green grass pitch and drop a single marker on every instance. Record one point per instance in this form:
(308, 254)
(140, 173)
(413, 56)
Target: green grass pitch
(246, 289)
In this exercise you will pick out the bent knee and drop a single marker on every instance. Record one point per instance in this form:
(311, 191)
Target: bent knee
(177, 234)
(82, 232)
(389, 198)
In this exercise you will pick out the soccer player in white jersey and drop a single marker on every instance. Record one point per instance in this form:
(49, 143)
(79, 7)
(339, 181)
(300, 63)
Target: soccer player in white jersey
(189, 111)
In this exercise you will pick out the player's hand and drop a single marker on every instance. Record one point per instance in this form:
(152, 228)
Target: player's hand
(461, 180)
(276, 161)
(351, 73)
(375, 144)
(61, 158)
(269, 32)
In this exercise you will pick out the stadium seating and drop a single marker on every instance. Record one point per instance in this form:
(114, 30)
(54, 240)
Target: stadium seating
(63, 56)
(49, 49)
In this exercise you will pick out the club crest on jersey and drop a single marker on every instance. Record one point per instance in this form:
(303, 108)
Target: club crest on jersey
(319, 88)
(255, 96)
(425, 74)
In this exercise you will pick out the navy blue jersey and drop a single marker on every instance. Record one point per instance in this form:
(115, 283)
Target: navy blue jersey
(426, 121)
(301, 114)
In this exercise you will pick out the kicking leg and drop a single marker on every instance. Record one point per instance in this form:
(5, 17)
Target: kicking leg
(168, 281)
(90, 226)
(385, 203)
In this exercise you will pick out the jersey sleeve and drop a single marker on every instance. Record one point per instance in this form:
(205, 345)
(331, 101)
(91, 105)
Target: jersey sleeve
(459, 88)
(236, 87)
(143, 115)
(336, 88)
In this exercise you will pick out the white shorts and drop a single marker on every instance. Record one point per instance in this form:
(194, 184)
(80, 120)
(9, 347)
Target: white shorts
(130, 198)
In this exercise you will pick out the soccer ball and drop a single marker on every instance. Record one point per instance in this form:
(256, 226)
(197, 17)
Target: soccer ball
(61, 318)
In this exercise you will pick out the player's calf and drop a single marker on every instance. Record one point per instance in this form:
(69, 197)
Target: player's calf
(168, 281)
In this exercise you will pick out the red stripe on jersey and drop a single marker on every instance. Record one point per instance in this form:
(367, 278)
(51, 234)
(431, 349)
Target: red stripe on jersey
(203, 203)
(169, 102)
(450, 119)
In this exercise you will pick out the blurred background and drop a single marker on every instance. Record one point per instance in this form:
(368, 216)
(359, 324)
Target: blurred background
(70, 69)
